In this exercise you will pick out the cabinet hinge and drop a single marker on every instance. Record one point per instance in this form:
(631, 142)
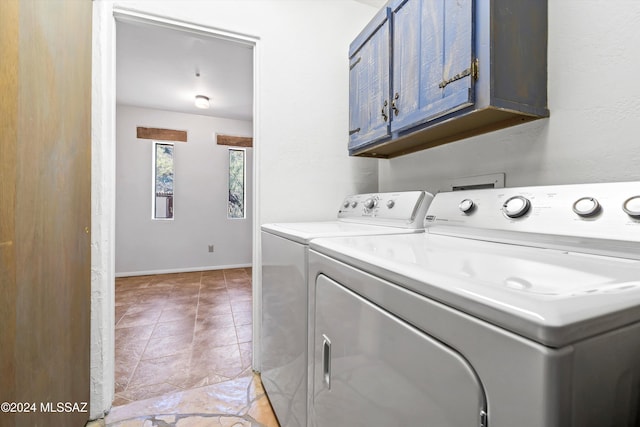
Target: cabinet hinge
(475, 67)
(484, 419)
(471, 71)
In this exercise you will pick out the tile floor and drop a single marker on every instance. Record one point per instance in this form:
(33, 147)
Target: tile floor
(176, 332)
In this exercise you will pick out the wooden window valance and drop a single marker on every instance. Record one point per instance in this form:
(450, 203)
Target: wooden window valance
(162, 134)
(234, 141)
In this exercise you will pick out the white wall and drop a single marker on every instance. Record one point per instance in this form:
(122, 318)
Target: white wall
(302, 90)
(593, 133)
(146, 246)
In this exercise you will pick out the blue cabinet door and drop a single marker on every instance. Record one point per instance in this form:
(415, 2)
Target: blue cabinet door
(369, 102)
(432, 60)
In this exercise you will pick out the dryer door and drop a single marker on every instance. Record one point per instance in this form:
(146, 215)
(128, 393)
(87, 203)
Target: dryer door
(372, 369)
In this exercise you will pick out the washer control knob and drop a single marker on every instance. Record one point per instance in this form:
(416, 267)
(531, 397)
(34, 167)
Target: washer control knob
(632, 206)
(516, 206)
(390, 204)
(586, 207)
(346, 204)
(466, 206)
(354, 204)
(369, 203)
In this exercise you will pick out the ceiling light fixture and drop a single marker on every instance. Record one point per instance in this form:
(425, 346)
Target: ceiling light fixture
(202, 101)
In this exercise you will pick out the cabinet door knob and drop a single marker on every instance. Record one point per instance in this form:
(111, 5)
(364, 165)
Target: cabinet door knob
(385, 115)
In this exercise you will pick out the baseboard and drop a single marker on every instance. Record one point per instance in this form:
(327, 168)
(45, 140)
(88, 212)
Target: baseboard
(180, 270)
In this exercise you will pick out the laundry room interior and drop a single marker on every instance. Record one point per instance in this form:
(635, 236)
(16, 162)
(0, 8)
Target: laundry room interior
(327, 277)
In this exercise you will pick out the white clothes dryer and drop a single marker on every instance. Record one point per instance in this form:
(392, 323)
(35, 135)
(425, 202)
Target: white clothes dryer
(516, 307)
(285, 288)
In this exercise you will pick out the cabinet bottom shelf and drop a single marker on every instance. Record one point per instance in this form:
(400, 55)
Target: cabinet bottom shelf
(463, 126)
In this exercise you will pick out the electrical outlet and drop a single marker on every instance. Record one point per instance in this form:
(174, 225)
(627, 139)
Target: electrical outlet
(210, 248)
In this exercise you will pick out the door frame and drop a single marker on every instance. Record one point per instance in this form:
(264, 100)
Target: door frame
(103, 190)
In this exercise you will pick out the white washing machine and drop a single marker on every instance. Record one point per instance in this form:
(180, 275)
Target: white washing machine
(517, 307)
(285, 289)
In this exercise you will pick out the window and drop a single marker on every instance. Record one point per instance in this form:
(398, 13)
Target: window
(236, 203)
(162, 180)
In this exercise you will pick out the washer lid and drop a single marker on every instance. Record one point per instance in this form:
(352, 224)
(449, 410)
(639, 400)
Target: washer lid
(551, 296)
(303, 232)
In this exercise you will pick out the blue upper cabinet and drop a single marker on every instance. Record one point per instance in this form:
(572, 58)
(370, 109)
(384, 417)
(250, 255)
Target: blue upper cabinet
(456, 69)
(369, 67)
(432, 62)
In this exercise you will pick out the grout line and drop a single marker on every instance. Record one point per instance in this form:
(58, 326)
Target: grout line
(146, 344)
(195, 322)
(233, 317)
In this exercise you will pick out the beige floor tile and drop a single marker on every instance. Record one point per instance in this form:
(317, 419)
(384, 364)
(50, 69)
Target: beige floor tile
(160, 370)
(214, 322)
(187, 311)
(120, 311)
(182, 331)
(208, 310)
(244, 333)
(240, 294)
(199, 376)
(173, 327)
(215, 297)
(238, 306)
(133, 334)
(149, 317)
(238, 283)
(235, 273)
(133, 282)
(166, 346)
(246, 353)
(224, 361)
(213, 273)
(127, 298)
(145, 392)
(213, 283)
(242, 318)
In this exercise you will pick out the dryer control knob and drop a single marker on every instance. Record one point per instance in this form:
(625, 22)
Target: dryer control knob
(346, 204)
(466, 206)
(632, 206)
(354, 204)
(369, 203)
(586, 207)
(516, 206)
(390, 204)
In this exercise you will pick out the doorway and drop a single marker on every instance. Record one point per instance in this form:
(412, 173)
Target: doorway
(173, 322)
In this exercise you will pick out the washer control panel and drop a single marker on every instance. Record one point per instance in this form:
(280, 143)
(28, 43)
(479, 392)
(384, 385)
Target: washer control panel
(608, 211)
(586, 207)
(402, 207)
(516, 206)
(632, 206)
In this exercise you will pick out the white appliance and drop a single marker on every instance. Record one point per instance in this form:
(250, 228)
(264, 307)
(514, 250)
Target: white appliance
(284, 287)
(517, 307)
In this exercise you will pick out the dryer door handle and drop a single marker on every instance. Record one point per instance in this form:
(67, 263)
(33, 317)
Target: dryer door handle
(326, 361)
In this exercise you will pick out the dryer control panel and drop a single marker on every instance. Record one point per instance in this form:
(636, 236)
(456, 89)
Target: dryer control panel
(595, 218)
(405, 208)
